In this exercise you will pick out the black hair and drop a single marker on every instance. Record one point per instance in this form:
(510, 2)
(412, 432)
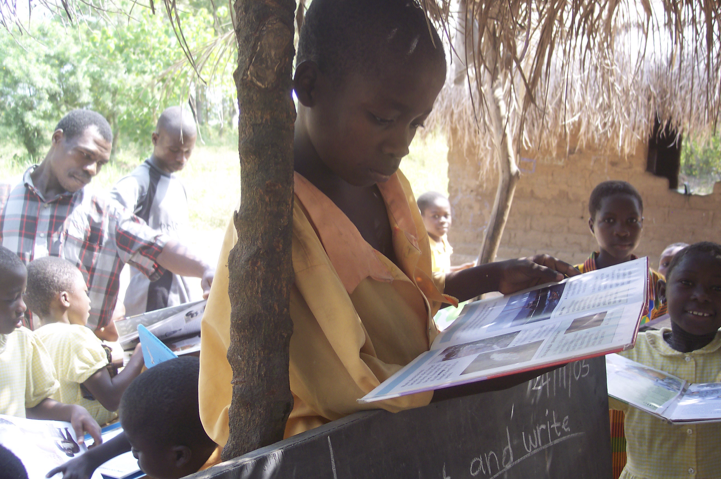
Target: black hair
(365, 35)
(611, 188)
(11, 467)
(47, 277)
(77, 121)
(162, 404)
(429, 198)
(704, 247)
(177, 119)
(9, 261)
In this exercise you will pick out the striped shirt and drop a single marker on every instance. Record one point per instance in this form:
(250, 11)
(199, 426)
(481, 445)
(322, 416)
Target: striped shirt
(657, 449)
(89, 230)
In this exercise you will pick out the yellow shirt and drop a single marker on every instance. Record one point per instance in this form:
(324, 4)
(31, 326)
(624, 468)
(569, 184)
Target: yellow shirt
(357, 317)
(77, 354)
(26, 372)
(657, 449)
(442, 252)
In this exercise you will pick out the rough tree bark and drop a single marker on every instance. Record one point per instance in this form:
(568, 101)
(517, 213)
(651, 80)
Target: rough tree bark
(508, 172)
(260, 264)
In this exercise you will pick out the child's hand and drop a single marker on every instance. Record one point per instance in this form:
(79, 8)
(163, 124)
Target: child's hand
(82, 423)
(523, 273)
(79, 468)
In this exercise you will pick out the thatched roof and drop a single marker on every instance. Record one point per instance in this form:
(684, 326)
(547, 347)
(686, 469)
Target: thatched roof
(597, 71)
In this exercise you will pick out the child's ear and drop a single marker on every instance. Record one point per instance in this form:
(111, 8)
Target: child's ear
(661, 288)
(305, 82)
(590, 226)
(182, 456)
(64, 298)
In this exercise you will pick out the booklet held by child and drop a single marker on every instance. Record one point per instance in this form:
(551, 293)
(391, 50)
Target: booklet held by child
(589, 315)
(40, 445)
(661, 394)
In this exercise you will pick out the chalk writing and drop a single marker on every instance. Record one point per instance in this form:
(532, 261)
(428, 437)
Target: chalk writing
(332, 459)
(557, 381)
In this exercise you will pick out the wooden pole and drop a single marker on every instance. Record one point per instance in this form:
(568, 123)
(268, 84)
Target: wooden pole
(260, 266)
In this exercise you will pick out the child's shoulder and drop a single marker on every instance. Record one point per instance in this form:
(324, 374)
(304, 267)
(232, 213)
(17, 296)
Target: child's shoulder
(66, 333)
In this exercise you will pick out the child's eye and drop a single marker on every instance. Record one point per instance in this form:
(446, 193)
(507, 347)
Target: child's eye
(686, 282)
(609, 220)
(381, 121)
(633, 220)
(418, 125)
(716, 289)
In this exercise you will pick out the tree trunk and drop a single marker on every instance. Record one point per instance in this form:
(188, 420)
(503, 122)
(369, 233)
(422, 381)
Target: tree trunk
(508, 173)
(260, 264)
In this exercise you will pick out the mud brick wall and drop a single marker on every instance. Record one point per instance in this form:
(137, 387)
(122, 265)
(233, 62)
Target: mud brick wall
(550, 207)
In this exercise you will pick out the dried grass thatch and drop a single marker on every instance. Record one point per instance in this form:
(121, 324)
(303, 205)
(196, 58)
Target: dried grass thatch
(599, 72)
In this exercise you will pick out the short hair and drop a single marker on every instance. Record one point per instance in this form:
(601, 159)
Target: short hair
(162, 404)
(364, 35)
(77, 121)
(428, 199)
(611, 188)
(177, 119)
(48, 277)
(674, 246)
(704, 247)
(11, 467)
(9, 261)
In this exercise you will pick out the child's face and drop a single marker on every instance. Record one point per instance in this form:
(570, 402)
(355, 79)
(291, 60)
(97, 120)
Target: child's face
(360, 130)
(666, 258)
(617, 225)
(79, 309)
(437, 219)
(12, 306)
(155, 460)
(693, 294)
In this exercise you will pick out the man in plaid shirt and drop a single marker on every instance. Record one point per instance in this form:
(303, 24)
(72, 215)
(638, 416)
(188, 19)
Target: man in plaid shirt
(52, 213)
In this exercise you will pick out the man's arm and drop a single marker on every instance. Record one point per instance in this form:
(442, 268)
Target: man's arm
(77, 416)
(83, 466)
(180, 260)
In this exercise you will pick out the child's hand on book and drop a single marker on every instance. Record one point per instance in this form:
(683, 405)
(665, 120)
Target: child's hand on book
(524, 273)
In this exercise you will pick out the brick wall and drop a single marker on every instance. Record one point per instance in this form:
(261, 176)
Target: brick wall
(550, 207)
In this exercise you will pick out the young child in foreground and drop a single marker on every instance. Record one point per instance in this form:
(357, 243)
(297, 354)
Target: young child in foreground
(616, 221)
(57, 292)
(364, 296)
(28, 376)
(690, 350)
(436, 212)
(667, 256)
(161, 425)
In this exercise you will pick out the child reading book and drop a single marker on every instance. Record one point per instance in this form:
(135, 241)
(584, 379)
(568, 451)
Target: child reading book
(58, 294)
(28, 376)
(363, 298)
(161, 425)
(436, 212)
(690, 350)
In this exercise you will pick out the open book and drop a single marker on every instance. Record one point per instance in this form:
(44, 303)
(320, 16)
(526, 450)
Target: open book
(40, 445)
(176, 325)
(661, 394)
(589, 315)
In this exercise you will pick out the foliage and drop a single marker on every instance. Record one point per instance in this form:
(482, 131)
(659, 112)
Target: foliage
(124, 67)
(701, 164)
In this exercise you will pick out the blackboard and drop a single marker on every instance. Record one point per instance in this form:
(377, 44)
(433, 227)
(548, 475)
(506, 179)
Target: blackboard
(555, 426)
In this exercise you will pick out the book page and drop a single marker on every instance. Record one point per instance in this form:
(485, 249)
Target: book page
(700, 403)
(581, 317)
(40, 445)
(641, 386)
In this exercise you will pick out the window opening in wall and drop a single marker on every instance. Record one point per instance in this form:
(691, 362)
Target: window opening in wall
(701, 165)
(664, 154)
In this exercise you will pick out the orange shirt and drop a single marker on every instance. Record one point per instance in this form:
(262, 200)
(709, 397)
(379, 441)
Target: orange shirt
(358, 318)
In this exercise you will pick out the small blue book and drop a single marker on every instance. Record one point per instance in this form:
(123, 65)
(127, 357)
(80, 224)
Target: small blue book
(154, 351)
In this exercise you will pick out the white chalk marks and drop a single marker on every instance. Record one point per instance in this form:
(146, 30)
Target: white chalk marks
(332, 459)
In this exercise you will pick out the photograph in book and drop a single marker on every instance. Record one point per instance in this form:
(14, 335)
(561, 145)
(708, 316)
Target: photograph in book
(40, 445)
(661, 394)
(589, 315)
